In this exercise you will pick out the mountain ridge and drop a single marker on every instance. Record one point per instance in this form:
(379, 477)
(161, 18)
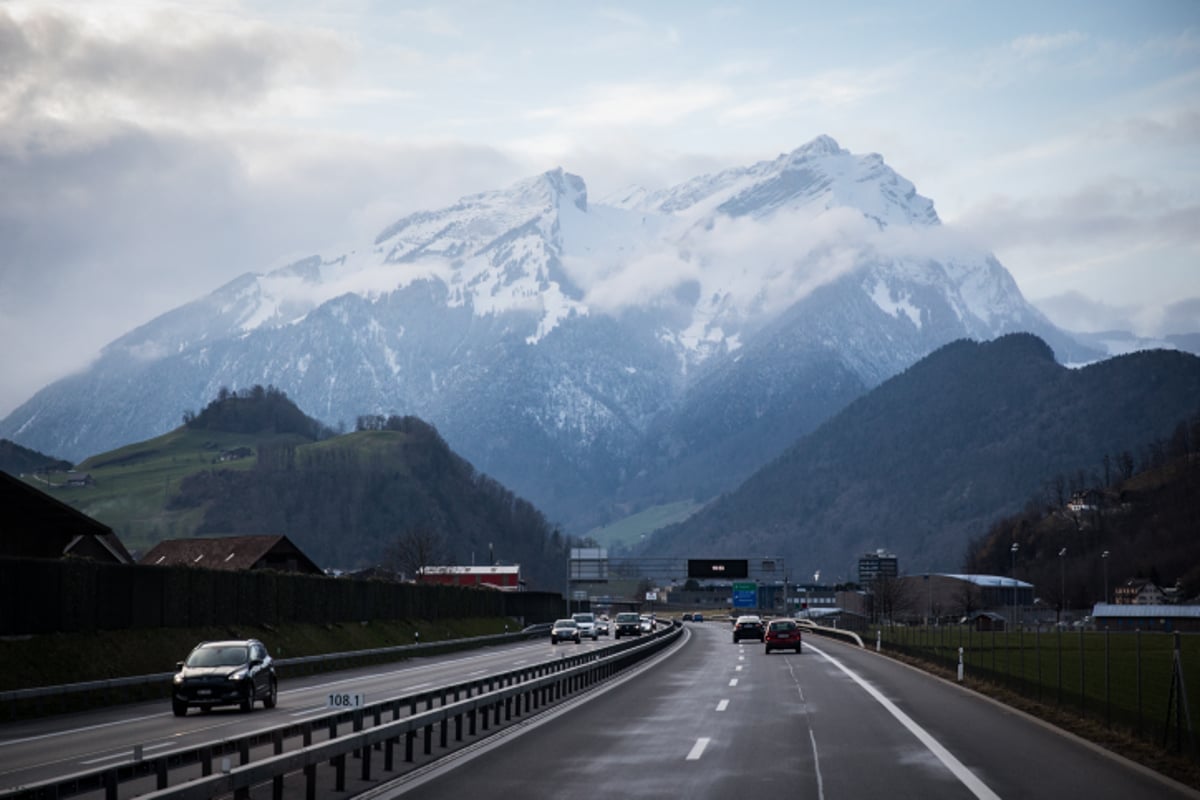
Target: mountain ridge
(565, 346)
(968, 432)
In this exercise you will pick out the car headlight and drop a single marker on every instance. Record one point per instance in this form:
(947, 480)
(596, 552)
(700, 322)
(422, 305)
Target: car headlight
(178, 678)
(240, 675)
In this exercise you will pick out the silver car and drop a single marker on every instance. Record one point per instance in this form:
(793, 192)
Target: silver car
(587, 625)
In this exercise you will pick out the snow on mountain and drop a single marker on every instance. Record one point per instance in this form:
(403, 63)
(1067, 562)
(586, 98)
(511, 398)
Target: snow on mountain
(572, 348)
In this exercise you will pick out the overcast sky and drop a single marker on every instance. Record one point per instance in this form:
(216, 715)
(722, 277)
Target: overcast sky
(151, 151)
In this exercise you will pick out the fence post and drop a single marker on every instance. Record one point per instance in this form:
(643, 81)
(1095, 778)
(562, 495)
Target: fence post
(1037, 651)
(1060, 660)
(1107, 673)
(1082, 683)
(1137, 638)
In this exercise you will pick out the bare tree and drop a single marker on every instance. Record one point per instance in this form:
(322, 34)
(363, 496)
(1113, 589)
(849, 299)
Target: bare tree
(967, 598)
(893, 597)
(415, 549)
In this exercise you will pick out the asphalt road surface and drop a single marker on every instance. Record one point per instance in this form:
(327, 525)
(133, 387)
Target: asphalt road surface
(721, 720)
(707, 719)
(43, 749)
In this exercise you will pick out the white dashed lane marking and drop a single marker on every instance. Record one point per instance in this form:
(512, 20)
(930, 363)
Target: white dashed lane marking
(698, 749)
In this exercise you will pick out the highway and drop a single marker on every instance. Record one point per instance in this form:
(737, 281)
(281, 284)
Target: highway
(718, 720)
(51, 748)
(708, 719)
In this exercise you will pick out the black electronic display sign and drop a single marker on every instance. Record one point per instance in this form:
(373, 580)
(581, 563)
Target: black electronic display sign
(718, 568)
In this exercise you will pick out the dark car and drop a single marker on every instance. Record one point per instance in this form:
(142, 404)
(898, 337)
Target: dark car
(563, 630)
(628, 624)
(782, 634)
(748, 627)
(230, 673)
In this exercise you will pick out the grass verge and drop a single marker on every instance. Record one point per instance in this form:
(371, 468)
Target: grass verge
(1113, 738)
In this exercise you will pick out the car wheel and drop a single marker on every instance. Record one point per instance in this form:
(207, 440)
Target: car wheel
(179, 708)
(272, 695)
(247, 703)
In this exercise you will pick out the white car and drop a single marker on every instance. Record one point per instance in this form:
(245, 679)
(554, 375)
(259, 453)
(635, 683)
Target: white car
(647, 624)
(587, 625)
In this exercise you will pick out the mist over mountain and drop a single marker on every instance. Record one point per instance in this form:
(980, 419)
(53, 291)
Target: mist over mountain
(929, 459)
(596, 357)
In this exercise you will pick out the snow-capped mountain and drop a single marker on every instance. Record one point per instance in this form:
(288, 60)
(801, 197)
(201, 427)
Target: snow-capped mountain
(658, 345)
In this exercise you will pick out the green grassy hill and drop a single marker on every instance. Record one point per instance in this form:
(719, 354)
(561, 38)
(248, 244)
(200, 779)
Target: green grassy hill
(132, 486)
(629, 531)
(254, 464)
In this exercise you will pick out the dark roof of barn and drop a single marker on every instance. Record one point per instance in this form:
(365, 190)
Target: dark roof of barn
(39, 525)
(229, 553)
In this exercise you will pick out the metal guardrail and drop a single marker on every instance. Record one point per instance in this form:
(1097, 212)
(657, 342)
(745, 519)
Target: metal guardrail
(832, 633)
(533, 687)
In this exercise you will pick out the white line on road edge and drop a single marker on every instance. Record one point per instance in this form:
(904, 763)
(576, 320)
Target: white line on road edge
(698, 749)
(721, 706)
(127, 753)
(83, 729)
(956, 767)
(817, 766)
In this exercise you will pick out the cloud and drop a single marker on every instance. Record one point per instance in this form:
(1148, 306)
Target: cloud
(1099, 213)
(1181, 317)
(169, 65)
(753, 268)
(1074, 311)
(1040, 44)
(626, 104)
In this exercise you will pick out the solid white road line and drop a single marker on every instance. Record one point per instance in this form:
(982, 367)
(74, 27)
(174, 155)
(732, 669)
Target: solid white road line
(698, 749)
(127, 753)
(956, 767)
(817, 766)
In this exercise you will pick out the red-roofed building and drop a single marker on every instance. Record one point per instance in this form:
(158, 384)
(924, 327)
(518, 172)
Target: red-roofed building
(501, 577)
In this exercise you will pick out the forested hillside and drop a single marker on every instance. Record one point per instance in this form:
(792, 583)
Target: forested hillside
(17, 460)
(923, 464)
(391, 493)
(1141, 507)
(363, 498)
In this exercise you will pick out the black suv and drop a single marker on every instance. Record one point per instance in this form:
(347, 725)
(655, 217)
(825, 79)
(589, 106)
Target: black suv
(629, 624)
(230, 673)
(748, 627)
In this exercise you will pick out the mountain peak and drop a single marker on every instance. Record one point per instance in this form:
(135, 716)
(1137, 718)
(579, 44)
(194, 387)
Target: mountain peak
(567, 186)
(823, 145)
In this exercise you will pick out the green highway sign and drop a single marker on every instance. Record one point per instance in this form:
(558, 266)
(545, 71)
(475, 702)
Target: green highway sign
(745, 595)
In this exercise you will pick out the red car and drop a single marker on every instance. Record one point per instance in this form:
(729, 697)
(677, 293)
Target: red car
(782, 634)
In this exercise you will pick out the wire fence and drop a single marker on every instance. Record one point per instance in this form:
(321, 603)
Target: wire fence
(1138, 681)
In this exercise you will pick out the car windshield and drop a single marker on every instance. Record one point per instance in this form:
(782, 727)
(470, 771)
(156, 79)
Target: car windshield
(565, 623)
(584, 618)
(783, 626)
(229, 656)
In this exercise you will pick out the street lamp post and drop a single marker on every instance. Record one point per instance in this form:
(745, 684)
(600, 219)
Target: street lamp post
(1013, 550)
(1104, 559)
(1062, 586)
